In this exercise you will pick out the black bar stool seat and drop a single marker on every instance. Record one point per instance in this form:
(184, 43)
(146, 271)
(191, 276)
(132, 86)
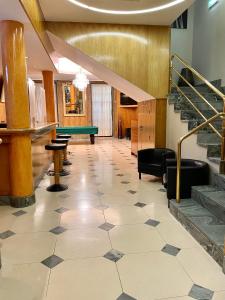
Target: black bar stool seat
(57, 153)
(55, 146)
(64, 136)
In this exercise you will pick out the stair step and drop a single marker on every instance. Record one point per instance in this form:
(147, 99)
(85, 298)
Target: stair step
(194, 123)
(193, 115)
(204, 226)
(208, 138)
(212, 199)
(184, 105)
(219, 181)
(214, 150)
(215, 160)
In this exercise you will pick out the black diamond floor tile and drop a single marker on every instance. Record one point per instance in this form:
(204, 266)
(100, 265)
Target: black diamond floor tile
(58, 230)
(152, 222)
(125, 182)
(61, 210)
(19, 213)
(140, 204)
(200, 293)
(106, 226)
(114, 255)
(6, 234)
(125, 297)
(132, 192)
(171, 250)
(52, 261)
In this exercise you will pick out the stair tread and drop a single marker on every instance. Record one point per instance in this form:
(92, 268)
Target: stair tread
(211, 226)
(217, 196)
(215, 160)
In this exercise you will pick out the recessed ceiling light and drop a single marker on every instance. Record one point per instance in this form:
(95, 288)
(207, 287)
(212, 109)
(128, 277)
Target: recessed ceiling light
(127, 12)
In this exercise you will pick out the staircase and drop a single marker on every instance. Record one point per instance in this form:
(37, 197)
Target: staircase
(205, 137)
(204, 214)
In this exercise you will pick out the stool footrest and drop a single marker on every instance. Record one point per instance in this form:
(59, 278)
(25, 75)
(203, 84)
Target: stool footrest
(57, 188)
(67, 163)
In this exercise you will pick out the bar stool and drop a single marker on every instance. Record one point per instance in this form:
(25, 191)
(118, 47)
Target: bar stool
(63, 172)
(57, 153)
(66, 162)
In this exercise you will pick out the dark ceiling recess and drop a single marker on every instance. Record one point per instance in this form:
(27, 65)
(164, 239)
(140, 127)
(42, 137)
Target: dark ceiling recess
(182, 21)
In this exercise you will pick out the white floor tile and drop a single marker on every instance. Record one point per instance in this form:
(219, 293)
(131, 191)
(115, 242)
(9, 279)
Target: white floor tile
(153, 275)
(94, 278)
(203, 270)
(136, 238)
(81, 243)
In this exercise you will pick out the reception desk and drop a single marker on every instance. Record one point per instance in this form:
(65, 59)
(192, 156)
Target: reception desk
(38, 138)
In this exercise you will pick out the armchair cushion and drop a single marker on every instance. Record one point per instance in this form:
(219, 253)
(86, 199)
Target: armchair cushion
(193, 172)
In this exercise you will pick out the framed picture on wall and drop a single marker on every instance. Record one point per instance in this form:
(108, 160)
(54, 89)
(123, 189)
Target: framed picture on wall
(73, 100)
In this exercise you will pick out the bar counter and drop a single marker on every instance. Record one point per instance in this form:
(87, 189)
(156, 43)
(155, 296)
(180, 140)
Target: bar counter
(41, 159)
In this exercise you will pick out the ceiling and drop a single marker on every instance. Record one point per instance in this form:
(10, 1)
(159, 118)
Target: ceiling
(65, 11)
(37, 58)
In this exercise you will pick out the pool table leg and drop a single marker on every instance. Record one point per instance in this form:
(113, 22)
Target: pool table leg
(92, 138)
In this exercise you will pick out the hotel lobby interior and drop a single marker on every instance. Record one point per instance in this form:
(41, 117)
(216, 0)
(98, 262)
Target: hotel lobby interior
(112, 150)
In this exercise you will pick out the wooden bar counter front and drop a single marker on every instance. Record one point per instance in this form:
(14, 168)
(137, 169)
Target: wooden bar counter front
(16, 186)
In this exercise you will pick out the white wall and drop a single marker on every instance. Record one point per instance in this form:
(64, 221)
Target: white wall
(209, 40)
(190, 149)
(182, 41)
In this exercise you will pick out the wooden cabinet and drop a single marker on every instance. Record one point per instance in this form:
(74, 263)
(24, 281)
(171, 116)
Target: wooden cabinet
(151, 124)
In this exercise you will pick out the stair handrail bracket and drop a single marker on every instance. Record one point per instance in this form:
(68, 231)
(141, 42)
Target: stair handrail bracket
(206, 122)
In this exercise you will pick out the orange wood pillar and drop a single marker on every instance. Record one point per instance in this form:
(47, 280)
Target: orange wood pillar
(17, 112)
(48, 81)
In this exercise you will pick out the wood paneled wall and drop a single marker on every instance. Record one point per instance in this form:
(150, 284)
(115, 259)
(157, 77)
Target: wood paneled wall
(73, 120)
(125, 114)
(152, 124)
(140, 54)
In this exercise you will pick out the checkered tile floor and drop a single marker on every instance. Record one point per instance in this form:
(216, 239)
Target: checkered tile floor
(109, 236)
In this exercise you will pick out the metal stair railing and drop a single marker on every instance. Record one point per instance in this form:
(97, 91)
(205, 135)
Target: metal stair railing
(206, 121)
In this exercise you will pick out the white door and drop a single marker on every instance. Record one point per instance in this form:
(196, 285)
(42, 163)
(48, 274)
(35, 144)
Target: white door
(102, 108)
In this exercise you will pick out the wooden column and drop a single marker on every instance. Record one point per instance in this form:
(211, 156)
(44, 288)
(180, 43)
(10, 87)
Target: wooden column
(17, 113)
(48, 81)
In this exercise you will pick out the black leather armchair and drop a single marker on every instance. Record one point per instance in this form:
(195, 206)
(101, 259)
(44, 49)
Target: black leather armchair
(193, 172)
(153, 161)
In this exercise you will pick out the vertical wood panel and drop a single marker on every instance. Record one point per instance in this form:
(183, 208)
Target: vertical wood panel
(138, 53)
(152, 124)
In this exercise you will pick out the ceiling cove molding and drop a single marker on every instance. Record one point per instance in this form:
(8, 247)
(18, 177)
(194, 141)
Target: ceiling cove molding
(127, 12)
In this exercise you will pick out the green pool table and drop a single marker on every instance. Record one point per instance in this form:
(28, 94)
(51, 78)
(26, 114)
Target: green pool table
(91, 130)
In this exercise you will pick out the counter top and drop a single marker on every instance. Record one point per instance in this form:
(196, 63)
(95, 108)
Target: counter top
(37, 130)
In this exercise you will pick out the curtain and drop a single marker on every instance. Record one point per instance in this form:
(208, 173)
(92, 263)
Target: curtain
(102, 108)
(37, 104)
